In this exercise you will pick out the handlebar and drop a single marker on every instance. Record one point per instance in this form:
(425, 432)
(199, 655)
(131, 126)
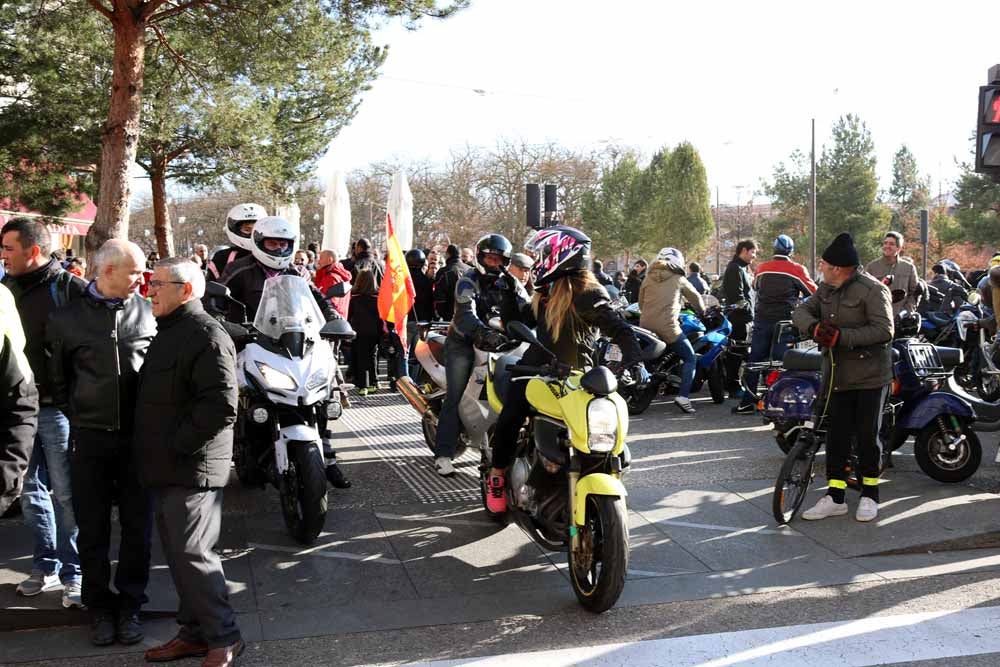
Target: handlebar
(554, 369)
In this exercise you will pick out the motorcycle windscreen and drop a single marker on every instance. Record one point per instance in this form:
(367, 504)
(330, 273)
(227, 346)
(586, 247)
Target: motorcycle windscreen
(287, 306)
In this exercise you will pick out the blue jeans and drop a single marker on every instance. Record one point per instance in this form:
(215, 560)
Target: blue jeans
(47, 499)
(459, 359)
(682, 346)
(763, 347)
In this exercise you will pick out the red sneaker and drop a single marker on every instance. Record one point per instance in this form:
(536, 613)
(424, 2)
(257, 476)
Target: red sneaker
(496, 499)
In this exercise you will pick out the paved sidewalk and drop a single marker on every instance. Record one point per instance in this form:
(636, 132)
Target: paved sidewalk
(405, 549)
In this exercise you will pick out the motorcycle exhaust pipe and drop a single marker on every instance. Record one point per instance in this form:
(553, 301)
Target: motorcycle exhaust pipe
(412, 395)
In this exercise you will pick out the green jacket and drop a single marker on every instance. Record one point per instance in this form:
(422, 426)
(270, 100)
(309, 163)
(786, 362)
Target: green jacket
(660, 298)
(862, 309)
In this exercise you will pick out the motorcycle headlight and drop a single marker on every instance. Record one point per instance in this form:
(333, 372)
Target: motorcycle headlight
(275, 378)
(602, 425)
(318, 379)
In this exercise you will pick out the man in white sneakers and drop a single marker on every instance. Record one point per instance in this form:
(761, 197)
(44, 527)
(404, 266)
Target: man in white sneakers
(850, 317)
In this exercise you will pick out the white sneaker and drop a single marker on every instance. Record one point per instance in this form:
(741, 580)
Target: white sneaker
(444, 466)
(72, 596)
(38, 583)
(684, 404)
(824, 508)
(867, 510)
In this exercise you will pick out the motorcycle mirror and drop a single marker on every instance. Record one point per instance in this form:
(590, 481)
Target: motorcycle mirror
(519, 331)
(338, 290)
(213, 288)
(337, 329)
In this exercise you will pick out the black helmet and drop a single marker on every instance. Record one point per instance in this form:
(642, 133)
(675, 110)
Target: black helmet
(558, 251)
(416, 259)
(493, 244)
(908, 324)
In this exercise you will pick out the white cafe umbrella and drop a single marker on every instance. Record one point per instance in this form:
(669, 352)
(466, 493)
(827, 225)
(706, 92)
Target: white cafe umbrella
(337, 216)
(400, 209)
(289, 212)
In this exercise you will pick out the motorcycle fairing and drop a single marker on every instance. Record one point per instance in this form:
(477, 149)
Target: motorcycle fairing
(301, 370)
(430, 363)
(792, 396)
(543, 397)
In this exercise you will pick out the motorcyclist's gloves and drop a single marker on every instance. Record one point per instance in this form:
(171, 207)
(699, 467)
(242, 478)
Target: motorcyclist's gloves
(826, 334)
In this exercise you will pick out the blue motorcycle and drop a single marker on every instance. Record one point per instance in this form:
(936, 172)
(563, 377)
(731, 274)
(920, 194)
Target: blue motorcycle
(709, 338)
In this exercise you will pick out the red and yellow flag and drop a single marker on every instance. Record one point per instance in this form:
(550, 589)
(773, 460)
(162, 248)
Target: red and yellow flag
(396, 294)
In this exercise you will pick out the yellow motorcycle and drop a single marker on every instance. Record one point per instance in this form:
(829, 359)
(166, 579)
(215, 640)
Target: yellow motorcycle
(564, 487)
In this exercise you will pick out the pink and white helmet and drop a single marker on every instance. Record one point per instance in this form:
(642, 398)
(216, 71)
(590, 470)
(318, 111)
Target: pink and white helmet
(558, 251)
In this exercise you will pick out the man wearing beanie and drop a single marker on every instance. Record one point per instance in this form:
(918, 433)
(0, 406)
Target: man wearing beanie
(850, 317)
(896, 272)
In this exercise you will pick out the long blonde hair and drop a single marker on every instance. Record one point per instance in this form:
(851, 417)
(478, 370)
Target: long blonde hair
(559, 312)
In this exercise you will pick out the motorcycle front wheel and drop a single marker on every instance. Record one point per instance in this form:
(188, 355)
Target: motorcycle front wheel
(597, 568)
(940, 461)
(303, 492)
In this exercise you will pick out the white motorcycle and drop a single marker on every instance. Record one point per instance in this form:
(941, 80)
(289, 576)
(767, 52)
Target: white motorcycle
(288, 391)
(426, 395)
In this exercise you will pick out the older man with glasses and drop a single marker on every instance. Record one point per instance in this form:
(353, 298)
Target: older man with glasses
(185, 411)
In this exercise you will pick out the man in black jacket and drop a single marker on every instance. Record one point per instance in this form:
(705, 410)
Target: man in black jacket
(634, 281)
(363, 258)
(445, 281)
(185, 411)
(98, 344)
(40, 286)
(737, 291)
(18, 403)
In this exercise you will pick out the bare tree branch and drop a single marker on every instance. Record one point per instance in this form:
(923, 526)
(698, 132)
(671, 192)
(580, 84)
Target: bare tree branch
(191, 4)
(99, 6)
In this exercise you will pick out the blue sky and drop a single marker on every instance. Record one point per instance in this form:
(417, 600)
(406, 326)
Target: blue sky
(739, 80)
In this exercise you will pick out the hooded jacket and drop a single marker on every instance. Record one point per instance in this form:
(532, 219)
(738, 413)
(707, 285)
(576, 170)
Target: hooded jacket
(660, 299)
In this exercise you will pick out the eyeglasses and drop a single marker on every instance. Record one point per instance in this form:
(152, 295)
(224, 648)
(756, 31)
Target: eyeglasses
(157, 284)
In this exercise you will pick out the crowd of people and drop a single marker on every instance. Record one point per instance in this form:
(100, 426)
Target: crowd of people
(121, 389)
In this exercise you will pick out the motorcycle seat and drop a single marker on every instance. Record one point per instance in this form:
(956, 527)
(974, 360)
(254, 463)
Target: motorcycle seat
(938, 319)
(502, 374)
(435, 343)
(802, 360)
(652, 346)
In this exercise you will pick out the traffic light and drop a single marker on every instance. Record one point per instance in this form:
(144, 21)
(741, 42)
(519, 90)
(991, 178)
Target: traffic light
(988, 131)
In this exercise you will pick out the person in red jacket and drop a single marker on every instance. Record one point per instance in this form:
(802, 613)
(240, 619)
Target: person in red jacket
(330, 272)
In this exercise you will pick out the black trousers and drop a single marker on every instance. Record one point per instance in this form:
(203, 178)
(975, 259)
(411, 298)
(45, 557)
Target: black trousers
(189, 521)
(102, 468)
(851, 414)
(515, 410)
(364, 360)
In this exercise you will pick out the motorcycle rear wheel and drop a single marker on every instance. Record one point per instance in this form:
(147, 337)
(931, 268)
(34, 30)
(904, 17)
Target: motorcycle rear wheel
(638, 400)
(793, 481)
(597, 569)
(303, 493)
(933, 457)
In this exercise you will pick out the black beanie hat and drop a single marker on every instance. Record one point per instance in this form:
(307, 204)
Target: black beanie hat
(842, 252)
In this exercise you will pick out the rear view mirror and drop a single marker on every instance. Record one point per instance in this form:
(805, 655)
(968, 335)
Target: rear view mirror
(337, 329)
(215, 289)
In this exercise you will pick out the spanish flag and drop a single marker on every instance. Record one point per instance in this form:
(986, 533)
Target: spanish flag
(396, 294)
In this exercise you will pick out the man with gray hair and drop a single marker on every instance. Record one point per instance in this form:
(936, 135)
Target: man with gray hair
(97, 345)
(185, 411)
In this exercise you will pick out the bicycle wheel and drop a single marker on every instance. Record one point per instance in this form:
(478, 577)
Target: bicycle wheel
(794, 479)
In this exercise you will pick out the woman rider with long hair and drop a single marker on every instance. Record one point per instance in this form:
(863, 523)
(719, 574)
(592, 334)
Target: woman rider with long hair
(568, 307)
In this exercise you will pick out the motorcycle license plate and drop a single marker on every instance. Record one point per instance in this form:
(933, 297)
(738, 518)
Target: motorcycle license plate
(614, 353)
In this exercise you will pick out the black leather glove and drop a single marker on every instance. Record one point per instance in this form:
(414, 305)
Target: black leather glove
(489, 339)
(506, 283)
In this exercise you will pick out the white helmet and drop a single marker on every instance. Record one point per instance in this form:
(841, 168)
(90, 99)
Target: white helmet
(673, 258)
(274, 228)
(237, 216)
